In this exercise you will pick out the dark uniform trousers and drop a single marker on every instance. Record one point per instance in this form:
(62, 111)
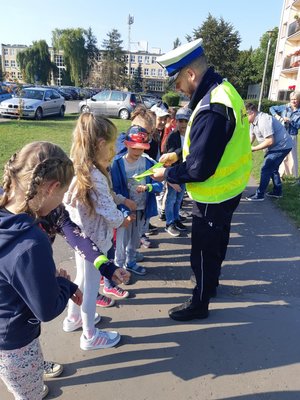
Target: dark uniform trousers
(210, 237)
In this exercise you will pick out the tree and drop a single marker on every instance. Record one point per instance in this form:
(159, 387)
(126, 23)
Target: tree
(176, 43)
(246, 72)
(73, 43)
(35, 63)
(92, 50)
(221, 44)
(113, 64)
(259, 58)
(137, 81)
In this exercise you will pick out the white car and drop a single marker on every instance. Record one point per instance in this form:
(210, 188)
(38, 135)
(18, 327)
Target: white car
(34, 102)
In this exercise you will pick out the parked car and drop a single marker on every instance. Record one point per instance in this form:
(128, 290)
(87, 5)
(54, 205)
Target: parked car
(149, 100)
(34, 102)
(4, 93)
(112, 103)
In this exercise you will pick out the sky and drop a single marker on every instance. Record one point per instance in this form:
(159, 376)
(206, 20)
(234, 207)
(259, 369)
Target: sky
(158, 22)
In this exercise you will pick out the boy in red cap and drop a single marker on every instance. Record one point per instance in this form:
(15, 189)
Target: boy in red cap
(124, 168)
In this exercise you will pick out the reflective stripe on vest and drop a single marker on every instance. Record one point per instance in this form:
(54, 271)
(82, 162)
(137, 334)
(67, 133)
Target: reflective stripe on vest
(233, 171)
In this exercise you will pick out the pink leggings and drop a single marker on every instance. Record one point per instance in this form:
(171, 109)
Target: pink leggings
(22, 371)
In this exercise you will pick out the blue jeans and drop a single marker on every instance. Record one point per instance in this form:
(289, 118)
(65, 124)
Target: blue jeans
(173, 202)
(109, 284)
(269, 170)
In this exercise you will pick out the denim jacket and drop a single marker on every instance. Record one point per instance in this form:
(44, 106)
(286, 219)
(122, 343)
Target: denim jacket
(119, 181)
(285, 110)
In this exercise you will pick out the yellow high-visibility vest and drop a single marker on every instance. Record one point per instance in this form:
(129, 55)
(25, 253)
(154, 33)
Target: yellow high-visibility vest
(233, 171)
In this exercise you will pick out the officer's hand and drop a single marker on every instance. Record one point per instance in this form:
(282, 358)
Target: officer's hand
(159, 174)
(168, 159)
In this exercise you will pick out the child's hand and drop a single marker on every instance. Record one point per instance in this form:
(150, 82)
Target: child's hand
(168, 159)
(141, 188)
(77, 297)
(63, 273)
(130, 204)
(121, 276)
(127, 221)
(175, 186)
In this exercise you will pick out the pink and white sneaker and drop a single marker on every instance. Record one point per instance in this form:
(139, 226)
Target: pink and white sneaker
(116, 292)
(104, 302)
(100, 340)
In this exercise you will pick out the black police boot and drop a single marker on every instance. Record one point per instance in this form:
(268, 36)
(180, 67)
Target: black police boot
(188, 311)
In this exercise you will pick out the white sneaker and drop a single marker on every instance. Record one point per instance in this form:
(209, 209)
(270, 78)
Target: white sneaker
(70, 326)
(100, 340)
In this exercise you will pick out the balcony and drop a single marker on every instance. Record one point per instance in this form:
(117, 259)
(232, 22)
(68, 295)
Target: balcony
(294, 31)
(291, 64)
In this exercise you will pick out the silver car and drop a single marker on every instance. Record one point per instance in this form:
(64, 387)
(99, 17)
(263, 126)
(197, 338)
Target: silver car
(34, 102)
(112, 103)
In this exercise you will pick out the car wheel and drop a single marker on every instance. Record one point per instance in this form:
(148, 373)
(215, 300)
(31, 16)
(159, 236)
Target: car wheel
(85, 109)
(124, 114)
(62, 111)
(39, 114)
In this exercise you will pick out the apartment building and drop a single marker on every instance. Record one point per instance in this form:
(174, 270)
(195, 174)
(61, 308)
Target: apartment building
(286, 68)
(153, 75)
(10, 67)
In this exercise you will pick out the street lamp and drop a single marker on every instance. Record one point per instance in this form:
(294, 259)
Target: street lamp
(265, 70)
(130, 22)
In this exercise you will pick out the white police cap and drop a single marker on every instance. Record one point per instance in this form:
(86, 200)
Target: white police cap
(180, 57)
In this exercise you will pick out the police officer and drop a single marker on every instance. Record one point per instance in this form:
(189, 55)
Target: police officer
(216, 166)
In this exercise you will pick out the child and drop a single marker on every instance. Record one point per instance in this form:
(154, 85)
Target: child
(173, 197)
(34, 182)
(91, 206)
(143, 193)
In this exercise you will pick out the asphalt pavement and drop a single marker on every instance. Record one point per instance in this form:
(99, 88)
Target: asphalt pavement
(248, 348)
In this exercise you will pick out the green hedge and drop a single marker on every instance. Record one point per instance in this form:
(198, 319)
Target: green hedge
(265, 104)
(171, 98)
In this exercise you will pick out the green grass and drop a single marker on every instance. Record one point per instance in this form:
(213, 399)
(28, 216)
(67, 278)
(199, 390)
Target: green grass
(15, 134)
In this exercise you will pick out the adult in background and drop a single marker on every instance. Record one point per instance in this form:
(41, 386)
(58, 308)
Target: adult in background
(216, 166)
(277, 143)
(289, 116)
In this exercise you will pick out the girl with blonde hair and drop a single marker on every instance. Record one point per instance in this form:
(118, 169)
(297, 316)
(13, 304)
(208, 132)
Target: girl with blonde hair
(91, 205)
(31, 290)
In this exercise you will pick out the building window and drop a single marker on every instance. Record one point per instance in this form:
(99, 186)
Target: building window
(146, 72)
(126, 70)
(132, 71)
(19, 75)
(147, 60)
(160, 72)
(132, 59)
(153, 72)
(126, 58)
(12, 52)
(153, 60)
(59, 60)
(6, 52)
(6, 63)
(13, 74)
(140, 59)
(13, 63)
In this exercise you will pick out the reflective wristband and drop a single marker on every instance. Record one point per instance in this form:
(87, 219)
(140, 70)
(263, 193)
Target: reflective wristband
(100, 260)
(149, 187)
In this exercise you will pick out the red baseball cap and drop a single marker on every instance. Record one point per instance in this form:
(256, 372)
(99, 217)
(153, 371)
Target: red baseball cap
(137, 138)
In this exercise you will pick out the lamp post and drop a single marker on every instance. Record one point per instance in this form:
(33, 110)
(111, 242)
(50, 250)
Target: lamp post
(130, 22)
(265, 70)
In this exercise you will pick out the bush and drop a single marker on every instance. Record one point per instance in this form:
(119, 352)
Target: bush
(265, 104)
(171, 98)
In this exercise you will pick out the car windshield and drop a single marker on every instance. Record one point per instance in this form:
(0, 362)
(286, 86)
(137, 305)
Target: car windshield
(32, 94)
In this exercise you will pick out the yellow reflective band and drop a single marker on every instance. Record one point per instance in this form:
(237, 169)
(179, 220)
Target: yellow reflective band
(150, 187)
(99, 261)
